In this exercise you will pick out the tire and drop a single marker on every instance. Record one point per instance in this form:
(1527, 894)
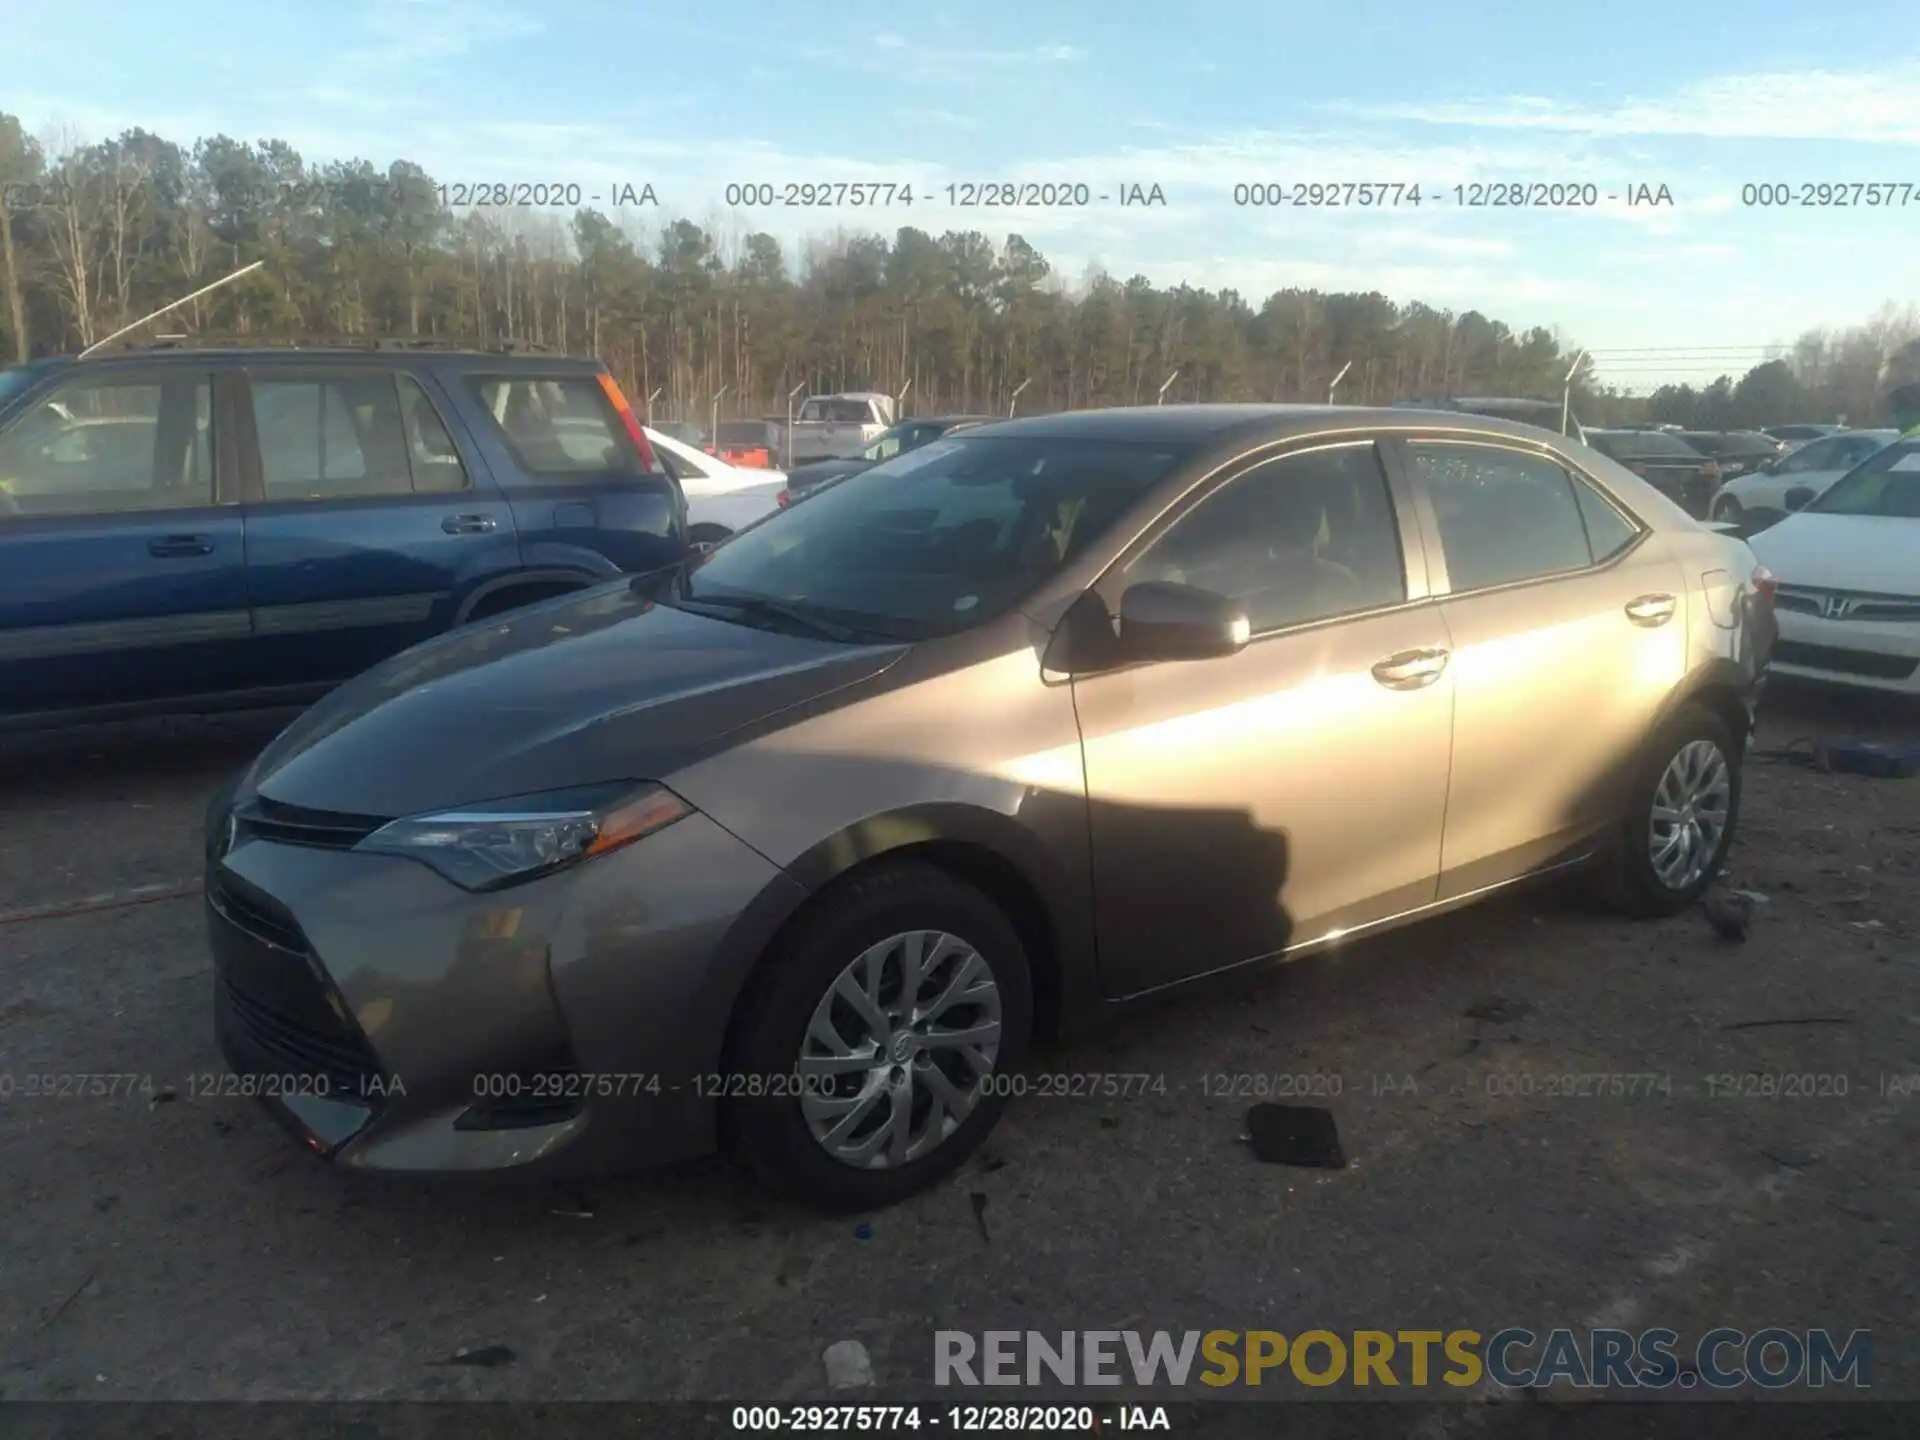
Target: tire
(772, 1136)
(1727, 510)
(1630, 879)
(708, 534)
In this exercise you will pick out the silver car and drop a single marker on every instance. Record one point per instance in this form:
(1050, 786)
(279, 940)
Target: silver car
(795, 849)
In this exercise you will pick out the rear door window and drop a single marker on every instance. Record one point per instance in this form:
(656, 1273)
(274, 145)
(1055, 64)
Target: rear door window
(1504, 515)
(328, 438)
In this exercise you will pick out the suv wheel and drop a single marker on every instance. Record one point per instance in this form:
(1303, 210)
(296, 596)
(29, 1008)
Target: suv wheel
(1678, 826)
(1727, 510)
(707, 536)
(867, 1049)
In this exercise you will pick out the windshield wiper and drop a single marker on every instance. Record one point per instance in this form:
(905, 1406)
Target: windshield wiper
(760, 607)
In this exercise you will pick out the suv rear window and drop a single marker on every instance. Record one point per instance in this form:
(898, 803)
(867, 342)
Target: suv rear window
(558, 427)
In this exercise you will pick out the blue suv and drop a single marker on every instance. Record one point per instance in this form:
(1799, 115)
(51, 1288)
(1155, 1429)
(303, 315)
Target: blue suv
(187, 528)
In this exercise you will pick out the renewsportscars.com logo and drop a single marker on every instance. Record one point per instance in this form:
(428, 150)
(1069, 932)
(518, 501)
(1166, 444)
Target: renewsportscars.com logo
(1722, 1359)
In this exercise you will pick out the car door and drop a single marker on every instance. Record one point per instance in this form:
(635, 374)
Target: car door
(1244, 805)
(367, 523)
(1567, 622)
(122, 568)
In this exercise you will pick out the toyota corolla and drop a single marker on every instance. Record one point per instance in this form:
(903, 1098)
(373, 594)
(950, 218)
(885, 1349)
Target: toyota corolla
(794, 850)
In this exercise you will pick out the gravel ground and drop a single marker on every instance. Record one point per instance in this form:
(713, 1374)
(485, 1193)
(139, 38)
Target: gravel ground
(189, 1251)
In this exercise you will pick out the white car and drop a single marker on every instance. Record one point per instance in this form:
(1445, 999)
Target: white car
(1846, 573)
(1813, 468)
(721, 498)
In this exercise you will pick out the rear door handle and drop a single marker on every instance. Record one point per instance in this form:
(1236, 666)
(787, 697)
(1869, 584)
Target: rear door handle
(1411, 669)
(1651, 610)
(469, 524)
(169, 547)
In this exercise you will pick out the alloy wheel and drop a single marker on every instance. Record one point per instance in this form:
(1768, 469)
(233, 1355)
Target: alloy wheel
(1691, 806)
(894, 1057)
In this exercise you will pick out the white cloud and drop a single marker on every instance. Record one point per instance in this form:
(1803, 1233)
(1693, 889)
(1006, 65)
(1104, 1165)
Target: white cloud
(925, 64)
(947, 119)
(1857, 106)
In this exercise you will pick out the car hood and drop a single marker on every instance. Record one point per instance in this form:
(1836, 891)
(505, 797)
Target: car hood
(602, 685)
(1869, 553)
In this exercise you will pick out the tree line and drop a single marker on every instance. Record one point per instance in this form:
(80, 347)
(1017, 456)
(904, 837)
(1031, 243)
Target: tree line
(95, 236)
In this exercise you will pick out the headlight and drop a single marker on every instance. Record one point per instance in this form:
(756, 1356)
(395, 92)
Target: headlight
(503, 842)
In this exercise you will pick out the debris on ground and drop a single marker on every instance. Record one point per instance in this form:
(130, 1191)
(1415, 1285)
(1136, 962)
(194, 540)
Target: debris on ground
(1730, 912)
(485, 1357)
(978, 1200)
(1790, 1020)
(849, 1367)
(1499, 1009)
(1302, 1135)
(863, 1231)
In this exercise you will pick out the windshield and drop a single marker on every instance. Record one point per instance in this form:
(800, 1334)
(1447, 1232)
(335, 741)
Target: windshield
(937, 541)
(1641, 444)
(1887, 486)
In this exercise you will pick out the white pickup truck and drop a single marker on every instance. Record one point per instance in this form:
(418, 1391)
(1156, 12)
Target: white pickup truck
(829, 427)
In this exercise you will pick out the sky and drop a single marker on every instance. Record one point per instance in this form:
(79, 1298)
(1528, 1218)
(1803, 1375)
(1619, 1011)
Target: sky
(1705, 99)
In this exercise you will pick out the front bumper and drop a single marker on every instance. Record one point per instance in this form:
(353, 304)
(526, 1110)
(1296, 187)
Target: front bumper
(396, 1023)
(1868, 654)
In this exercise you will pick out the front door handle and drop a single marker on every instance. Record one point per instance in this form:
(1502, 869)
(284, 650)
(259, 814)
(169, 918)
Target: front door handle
(1411, 669)
(469, 524)
(171, 547)
(1651, 610)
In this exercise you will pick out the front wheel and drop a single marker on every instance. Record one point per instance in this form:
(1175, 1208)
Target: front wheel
(873, 1044)
(1676, 830)
(705, 537)
(1727, 510)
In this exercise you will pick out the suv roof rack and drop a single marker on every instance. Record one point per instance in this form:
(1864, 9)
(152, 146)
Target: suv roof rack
(329, 342)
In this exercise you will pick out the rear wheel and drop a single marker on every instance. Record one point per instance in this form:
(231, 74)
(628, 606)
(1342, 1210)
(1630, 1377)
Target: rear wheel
(707, 535)
(871, 1047)
(1727, 510)
(1678, 825)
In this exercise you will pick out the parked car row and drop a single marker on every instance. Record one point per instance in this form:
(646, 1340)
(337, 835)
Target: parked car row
(860, 795)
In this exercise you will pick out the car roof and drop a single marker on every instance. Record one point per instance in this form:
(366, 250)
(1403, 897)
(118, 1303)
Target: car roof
(1202, 424)
(371, 352)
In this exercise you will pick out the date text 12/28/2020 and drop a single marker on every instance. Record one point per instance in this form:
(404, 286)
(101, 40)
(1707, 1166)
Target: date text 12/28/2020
(963, 195)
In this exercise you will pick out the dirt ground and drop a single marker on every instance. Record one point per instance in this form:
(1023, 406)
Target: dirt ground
(188, 1250)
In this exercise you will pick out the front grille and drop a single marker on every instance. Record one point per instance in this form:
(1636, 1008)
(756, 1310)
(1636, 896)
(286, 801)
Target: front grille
(1844, 662)
(256, 913)
(264, 819)
(284, 1044)
(1856, 604)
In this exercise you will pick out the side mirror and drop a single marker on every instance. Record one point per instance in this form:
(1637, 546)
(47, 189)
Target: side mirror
(1799, 497)
(1161, 621)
